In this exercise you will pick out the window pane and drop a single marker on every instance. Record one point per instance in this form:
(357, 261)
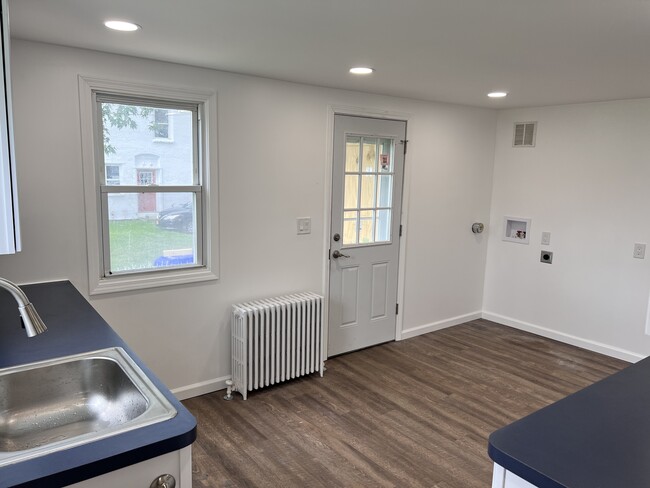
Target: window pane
(368, 183)
(369, 155)
(386, 155)
(383, 226)
(351, 198)
(352, 154)
(366, 225)
(132, 136)
(350, 226)
(385, 191)
(151, 230)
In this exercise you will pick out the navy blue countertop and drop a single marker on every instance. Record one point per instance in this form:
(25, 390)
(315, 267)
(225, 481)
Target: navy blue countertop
(598, 437)
(75, 327)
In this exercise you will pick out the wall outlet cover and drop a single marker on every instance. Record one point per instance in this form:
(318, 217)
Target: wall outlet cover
(546, 257)
(639, 251)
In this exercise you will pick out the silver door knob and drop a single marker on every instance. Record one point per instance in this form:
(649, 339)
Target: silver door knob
(338, 254)
(164, 481)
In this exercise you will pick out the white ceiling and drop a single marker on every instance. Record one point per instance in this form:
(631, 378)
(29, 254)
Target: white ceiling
(540, 51)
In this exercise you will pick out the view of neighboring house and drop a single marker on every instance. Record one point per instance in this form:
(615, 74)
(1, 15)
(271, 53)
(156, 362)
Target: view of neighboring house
(157, 151)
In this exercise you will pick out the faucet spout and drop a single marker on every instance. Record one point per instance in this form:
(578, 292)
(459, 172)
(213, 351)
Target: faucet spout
(33, 323)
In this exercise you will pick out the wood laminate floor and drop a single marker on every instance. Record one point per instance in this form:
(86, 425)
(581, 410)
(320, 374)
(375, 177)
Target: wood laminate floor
(415, 413)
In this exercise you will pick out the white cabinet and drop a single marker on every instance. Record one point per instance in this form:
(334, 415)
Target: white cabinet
(9, 229)
(176, 463)
(502, 478)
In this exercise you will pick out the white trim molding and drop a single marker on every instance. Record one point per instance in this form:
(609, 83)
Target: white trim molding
(208, 147)
(201, 388)
(334, 109)
(581, 342)
(439, 325)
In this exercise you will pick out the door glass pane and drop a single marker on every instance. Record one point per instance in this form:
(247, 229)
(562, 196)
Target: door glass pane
(382, 226)
(385, 191)
(369, 155)
(352, 154)
(366, 226)
(142, 240)
(368, 187)
(368, 183)
(351, 195)
(132, 139)
(385, 155)
(350, 226)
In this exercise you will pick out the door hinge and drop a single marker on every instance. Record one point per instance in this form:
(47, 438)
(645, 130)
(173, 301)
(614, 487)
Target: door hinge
(396, 308)
(400, 230)
(405, 142)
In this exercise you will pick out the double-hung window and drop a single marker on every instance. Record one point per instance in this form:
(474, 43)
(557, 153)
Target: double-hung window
(150, 199)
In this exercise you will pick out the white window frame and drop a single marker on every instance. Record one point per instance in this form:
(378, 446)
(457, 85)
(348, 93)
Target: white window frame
(207, 233)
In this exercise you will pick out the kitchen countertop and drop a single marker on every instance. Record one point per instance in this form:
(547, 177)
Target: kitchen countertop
(75, 327)
(598, 437)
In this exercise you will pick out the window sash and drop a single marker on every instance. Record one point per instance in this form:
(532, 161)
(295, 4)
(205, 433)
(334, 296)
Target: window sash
(106, 251)
(105, 189)
(101, 97)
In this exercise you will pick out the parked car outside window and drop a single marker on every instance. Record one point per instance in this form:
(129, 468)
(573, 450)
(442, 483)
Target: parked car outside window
(177, 217)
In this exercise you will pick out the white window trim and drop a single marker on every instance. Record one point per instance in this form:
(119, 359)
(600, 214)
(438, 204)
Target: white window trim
(98, 284)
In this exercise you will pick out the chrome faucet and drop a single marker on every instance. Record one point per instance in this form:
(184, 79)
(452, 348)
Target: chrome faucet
(33, 323)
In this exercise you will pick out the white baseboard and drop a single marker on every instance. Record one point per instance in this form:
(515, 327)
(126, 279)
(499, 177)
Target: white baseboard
(441, 324)
(566, 338)
(198, 389)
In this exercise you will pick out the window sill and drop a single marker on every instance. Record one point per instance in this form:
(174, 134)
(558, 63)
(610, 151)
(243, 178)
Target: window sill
(163, 140)
(117, 284)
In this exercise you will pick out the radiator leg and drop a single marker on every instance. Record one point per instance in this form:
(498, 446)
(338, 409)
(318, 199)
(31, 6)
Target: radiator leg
(228, 396)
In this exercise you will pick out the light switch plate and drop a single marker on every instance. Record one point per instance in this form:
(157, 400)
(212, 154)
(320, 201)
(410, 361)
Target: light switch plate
(546, 238)
(304, 225)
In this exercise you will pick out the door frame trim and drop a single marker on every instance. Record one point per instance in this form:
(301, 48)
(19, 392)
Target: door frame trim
(337, 109)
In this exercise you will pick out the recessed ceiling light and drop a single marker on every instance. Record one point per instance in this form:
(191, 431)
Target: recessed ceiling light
(497, 94)
(121, 25)
(361, 70)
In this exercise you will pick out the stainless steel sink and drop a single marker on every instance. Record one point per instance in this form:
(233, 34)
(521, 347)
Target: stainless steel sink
(64, 402)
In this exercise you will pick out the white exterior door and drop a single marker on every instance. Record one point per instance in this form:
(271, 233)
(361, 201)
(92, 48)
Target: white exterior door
(367, 177)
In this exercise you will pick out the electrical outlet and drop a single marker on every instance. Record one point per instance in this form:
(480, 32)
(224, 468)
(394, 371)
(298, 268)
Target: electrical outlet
(639, 251)
(546, 257)
(304, 225)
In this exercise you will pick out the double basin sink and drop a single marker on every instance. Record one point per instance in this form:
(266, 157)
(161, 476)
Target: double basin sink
(65, 402)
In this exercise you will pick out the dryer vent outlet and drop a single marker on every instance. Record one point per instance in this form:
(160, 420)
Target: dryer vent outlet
(546, 257)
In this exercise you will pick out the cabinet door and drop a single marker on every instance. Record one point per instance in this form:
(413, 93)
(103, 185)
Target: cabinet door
(177, 463)
(9, 229)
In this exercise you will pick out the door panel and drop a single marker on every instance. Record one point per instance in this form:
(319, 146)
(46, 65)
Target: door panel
(349, 295)
(367, 177)
(379, 289)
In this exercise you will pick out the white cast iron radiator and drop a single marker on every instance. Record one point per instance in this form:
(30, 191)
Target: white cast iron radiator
(275, 340)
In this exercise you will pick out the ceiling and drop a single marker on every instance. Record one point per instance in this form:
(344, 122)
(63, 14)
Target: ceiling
(543, 52)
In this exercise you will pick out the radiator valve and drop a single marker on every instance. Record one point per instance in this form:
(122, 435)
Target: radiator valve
(228, 396)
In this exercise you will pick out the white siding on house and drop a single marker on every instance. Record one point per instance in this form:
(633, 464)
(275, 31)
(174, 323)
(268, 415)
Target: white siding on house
(139, 150)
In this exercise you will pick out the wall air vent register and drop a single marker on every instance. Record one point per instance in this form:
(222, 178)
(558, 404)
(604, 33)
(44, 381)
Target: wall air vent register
(524, 134)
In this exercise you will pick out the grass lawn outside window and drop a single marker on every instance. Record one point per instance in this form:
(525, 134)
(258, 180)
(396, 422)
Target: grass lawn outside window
(137, 244)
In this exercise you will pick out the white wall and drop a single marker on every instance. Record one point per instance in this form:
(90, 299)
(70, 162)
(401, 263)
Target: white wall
(272, 169)
(586, 182)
